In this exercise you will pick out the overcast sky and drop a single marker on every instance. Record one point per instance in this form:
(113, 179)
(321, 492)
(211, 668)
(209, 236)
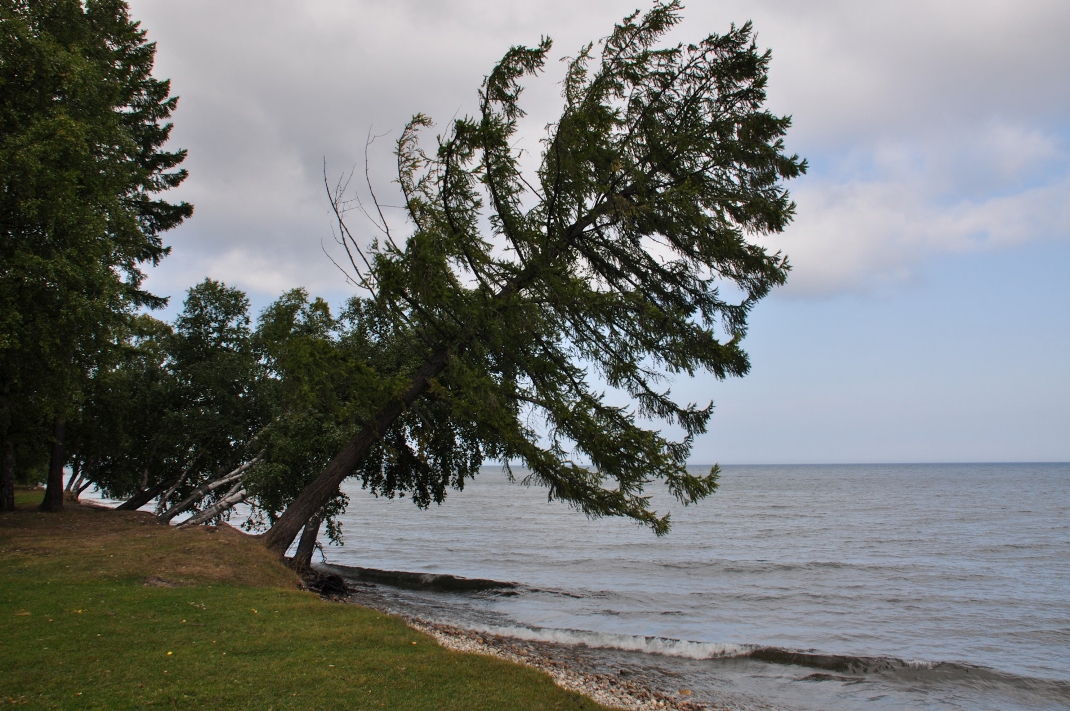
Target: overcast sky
(928, 314)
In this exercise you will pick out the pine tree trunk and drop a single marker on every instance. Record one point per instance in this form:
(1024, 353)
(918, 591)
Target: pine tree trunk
(316, 495)
(302, 559)
(7, 476)
(54, 489)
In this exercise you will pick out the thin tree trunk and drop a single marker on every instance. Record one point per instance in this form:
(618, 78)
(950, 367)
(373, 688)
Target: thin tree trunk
(144, 496)
(78, 484)
(161, 505)
(208, 487)
(235, 496)
(54, 489)
(7, 476)
(7, 456)
(75, 473)
(72, 490)
(313, 498)
(302, 559)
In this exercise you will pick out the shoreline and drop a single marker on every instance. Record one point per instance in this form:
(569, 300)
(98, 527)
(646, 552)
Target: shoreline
(556, 660)
(609, 690)
(615, 692)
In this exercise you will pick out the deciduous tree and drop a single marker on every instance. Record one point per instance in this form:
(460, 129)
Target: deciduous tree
(175, 418)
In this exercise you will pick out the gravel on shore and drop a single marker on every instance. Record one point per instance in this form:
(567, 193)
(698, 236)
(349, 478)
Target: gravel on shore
(608, 690)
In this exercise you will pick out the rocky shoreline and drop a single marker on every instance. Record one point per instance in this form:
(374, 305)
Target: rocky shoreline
(613, 691)
(561, 662)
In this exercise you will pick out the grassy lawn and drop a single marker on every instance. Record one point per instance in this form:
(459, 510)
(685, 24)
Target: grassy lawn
(108, 610)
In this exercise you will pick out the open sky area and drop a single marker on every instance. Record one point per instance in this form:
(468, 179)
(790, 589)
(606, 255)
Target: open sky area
(927, 318)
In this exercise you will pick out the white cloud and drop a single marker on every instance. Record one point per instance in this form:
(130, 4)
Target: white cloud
(876, 223)
(932, 127)
(865, 234)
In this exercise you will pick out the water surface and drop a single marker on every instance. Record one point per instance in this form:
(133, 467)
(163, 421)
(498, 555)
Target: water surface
(795, 587)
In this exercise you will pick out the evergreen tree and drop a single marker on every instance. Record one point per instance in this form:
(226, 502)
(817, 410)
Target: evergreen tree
(82, 125)
(181, 405)
(324, 375)
(654, 188)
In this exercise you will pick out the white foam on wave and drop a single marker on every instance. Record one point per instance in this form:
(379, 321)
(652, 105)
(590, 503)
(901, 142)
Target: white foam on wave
(629, 643)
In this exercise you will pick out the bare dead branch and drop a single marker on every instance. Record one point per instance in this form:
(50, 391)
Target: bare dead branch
(204, 489)
(235, 496)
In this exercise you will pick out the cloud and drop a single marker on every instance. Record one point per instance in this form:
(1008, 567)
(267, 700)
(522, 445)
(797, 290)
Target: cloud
(865, 234)
(851, 71)
(874, 225)
(932, 128)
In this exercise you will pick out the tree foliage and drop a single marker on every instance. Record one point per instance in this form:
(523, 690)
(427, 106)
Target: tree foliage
(82, 125)
(119, 436)
(652, 193)
(179, 406)
(310, 383)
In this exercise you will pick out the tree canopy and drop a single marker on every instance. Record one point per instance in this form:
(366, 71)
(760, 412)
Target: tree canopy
(207, 412)
(495, 319)
(82, 126)
(653, 190)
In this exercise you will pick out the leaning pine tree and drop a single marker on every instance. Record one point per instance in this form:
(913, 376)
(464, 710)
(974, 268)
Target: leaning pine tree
(653, 186)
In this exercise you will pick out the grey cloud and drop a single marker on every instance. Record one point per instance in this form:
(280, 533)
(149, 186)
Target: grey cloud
(955, 109)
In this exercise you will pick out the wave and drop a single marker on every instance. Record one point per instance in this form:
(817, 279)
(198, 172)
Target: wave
(912, 671)
(832, 666)
(663, 646)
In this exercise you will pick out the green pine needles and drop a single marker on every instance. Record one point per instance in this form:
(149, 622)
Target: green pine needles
(653, 188)
(83, 125)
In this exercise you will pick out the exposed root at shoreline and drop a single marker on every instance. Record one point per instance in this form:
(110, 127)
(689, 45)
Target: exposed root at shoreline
(327, 585)
(607, 690)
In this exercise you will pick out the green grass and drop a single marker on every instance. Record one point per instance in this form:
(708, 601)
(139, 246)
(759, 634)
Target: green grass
(26, 497)
(80, 629)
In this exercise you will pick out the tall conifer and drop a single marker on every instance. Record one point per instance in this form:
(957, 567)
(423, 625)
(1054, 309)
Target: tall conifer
(82, 126)
(654, 187)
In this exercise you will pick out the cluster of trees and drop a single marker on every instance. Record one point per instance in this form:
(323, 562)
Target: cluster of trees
(494, 317)
(211, 411)
(82, 129)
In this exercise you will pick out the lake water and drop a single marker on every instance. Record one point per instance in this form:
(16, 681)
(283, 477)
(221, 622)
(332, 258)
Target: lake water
(794, 587)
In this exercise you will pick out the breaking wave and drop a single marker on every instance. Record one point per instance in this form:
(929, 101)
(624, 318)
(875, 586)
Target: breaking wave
(842, 665)
(630, 643)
